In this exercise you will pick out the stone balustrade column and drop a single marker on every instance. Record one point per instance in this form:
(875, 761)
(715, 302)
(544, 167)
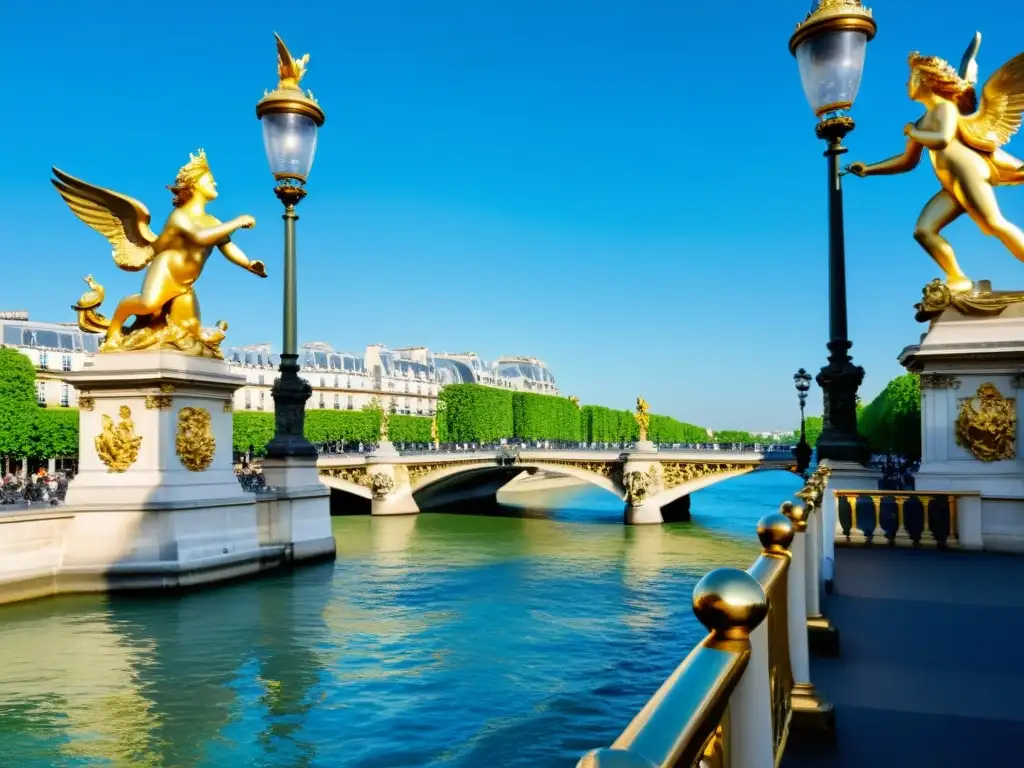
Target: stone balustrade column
(811, 712)
(750, 709)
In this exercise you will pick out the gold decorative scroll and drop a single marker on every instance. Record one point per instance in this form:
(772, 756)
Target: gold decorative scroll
(937, 298)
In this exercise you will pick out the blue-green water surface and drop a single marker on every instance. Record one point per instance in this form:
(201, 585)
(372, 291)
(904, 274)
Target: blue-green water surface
(437, 640)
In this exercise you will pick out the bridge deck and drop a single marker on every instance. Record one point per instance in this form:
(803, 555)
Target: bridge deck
(932, 669)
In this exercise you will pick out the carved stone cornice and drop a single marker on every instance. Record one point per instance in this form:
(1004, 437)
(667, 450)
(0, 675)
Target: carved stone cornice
(939, 381)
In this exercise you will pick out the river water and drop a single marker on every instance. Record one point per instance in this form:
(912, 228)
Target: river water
(437, 640)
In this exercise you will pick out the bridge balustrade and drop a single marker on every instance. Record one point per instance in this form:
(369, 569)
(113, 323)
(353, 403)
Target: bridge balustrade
(900, 518)
(732, 701)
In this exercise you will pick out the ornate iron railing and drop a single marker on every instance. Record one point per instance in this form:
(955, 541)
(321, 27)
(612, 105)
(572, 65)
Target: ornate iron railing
(899, 518)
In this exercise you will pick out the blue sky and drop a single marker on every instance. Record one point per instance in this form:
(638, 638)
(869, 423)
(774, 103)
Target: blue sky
(632, 192)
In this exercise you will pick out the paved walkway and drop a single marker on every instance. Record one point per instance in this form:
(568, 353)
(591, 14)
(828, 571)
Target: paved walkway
(931, 671)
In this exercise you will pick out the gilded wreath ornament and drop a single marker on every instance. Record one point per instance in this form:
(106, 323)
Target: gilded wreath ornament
(988, 431)
(194, 442)
(117, 445)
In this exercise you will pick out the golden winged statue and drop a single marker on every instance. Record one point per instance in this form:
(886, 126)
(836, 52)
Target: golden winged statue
(643, 419)
(166, 311)
(964, 138)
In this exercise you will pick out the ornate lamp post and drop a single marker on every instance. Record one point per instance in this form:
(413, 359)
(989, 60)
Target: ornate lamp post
(802, 451)
(829, 46)
(290, 120)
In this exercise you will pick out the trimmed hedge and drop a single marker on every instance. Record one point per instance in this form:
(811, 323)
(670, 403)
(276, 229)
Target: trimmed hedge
(665, 429)
(256, 428)
(544, 417)
(474, 413)
(607, 425)
(892, 421)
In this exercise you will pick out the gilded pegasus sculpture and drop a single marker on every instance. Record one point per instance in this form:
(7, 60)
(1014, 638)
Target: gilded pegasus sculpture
(166, 311)
(964, 139)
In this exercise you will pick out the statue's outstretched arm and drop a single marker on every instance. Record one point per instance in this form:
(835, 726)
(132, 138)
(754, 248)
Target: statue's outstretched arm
(207, 236)
(907, 161)
(235, 255)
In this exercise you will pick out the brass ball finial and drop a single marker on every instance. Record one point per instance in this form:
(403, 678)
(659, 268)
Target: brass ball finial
(775, 532)
(730, 603)
(797, 515)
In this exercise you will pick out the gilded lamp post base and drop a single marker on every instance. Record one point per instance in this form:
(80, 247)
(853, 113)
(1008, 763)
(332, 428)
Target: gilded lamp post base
(813, 716)
(822, 636)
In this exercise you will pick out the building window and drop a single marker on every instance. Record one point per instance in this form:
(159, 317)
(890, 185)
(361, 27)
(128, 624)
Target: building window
(419, 389)
(43, 361)
(65, 362)
(248, 399)
(407, 387)
(337, 401)
(65, 395)
(337, 381)
(350, 404)
(323, 381)
(41, 392)
(349, 382)
(322, 404)
(259, 379)
(262, 395)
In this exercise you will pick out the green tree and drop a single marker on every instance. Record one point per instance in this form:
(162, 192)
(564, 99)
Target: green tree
(892, 421)
(18, 406)
(252, 428)
(812, 427)
(55, 433)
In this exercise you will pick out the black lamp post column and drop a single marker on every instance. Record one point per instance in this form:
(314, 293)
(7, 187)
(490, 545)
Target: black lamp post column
(290, 391)
(840, 379)
(802, 451)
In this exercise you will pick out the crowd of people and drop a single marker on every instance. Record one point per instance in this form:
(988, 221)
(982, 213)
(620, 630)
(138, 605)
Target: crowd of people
(40, 487)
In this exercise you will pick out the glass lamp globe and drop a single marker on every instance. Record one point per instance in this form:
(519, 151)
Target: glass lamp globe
(289, 139)
(829, 47)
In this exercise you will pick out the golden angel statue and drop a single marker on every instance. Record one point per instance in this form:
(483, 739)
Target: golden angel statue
(643, 420)
(964, 139)
(166, 311)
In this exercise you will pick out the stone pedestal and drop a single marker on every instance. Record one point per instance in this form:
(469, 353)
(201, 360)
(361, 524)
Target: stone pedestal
(956, 357)
(156, 501)
(386, 449)
(641, 478)
(846, 476)
(298, 516)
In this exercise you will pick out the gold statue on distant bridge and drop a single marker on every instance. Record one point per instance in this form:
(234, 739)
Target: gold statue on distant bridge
(964, 139)
(166, 311)
(643, 419)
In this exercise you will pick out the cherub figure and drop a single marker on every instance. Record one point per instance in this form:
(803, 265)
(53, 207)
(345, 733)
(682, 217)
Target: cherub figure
(166, 310)
(964, 140)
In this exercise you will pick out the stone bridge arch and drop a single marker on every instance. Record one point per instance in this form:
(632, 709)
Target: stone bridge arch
(653, 487)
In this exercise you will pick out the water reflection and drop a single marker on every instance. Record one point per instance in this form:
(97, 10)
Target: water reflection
(434, 640)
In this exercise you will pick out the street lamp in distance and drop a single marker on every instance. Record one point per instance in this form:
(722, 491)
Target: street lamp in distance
(802, 452)
(290, 121)
(829, 46)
